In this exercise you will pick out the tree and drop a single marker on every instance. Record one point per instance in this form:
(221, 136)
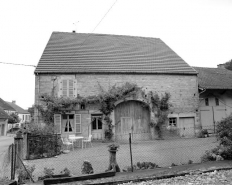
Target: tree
(14, 118)
(228, 65)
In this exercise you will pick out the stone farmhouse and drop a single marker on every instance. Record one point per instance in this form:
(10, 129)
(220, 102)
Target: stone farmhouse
(75, 64)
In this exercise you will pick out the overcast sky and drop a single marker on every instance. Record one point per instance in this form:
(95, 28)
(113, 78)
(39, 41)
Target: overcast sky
(199, 31)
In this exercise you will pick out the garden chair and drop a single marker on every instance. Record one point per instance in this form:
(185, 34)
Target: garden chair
(66, 142)
(88, 140)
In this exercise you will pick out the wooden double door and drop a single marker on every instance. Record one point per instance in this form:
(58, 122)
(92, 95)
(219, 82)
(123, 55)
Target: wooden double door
(132, 117)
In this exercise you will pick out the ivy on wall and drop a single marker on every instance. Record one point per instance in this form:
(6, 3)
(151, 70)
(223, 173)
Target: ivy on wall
(106, 99)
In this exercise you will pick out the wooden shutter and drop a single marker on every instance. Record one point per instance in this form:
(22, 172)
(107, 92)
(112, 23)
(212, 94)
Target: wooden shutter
(57, 123)
(65, 88)
(70, 88)
(78, 123)
(75, 88)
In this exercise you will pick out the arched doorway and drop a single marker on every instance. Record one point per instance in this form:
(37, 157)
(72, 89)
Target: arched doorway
(132, 117)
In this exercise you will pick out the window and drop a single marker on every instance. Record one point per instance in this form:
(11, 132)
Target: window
(67, 88)
(97, 122)
(217, 101)
(206, 101)
(23, 117)
(172, 122)
(68, 122)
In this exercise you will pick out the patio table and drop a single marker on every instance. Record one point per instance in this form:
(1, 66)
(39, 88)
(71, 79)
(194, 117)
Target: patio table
(76, 138)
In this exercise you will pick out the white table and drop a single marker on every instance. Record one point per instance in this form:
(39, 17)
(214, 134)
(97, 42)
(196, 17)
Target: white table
(76, 138)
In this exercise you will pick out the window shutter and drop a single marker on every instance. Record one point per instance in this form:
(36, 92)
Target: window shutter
(75, 88)
(70, 89)
(78, 123)
(57, 123)
(65, 88)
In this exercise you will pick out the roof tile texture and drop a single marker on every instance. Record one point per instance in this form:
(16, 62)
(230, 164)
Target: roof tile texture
(99, 53)
(214, 78)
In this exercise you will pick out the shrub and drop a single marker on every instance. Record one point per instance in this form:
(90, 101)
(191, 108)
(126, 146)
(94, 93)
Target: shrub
(224, 136)
(48, 172)
(23, 174)
(86, 168)
(224, 131)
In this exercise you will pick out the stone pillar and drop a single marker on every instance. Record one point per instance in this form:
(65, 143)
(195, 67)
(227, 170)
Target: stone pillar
(18, 141)
(113, 165)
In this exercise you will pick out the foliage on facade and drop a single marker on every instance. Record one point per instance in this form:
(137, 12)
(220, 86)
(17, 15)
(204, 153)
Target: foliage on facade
(159, 106)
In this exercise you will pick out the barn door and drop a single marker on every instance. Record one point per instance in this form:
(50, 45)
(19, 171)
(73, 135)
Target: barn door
(132, 117)
(126, 125)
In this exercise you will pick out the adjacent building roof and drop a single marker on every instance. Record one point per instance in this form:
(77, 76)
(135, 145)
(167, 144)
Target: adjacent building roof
(17, 108)
(214, 78)
(101, 53)
(5, 106)
(3, 114)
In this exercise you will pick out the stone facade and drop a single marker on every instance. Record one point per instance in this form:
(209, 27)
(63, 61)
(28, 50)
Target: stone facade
(183, 88)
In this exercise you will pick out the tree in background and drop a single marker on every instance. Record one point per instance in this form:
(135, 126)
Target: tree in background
(14, 118)
(228, 65)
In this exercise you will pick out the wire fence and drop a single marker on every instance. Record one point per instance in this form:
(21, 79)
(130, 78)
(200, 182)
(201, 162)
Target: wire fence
(145, 154)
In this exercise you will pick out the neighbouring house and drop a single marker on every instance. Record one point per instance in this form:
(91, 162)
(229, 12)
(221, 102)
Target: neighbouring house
(23, 115)
(3, 122)
(74, 64)
(6, 107)
(215, 95)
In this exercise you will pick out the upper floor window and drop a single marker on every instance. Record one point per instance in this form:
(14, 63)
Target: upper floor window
(206, 101)
(67, 88)
(217, 101)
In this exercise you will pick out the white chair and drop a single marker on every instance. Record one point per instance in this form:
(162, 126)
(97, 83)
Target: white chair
(88, 140)
(66, 142)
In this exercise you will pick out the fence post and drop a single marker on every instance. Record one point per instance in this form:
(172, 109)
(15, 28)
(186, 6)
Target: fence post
(132, 169)
(12, 161)
(18, 141)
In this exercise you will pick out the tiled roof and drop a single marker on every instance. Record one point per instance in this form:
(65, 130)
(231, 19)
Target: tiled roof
(17, 108)
(3, 114)
(5, 106)
(100, 53)
(214, 78)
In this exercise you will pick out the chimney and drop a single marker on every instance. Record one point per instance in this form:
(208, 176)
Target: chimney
(13, 101)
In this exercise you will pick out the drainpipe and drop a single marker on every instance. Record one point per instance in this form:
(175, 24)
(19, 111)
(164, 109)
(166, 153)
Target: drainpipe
(213, 121)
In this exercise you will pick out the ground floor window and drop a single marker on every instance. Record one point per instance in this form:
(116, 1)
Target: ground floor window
(68, 122)
(96, 122)
(172, 122)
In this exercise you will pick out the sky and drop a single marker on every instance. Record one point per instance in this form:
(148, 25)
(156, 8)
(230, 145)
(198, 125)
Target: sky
(199, 31)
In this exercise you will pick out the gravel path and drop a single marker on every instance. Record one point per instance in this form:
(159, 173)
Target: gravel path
(211, 178)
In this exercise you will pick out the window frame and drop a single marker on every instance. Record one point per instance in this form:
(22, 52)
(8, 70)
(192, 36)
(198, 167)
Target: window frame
(97, 123)
(171, 122)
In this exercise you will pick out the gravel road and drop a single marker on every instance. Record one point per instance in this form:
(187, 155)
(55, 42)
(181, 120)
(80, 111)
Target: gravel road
(211, 178)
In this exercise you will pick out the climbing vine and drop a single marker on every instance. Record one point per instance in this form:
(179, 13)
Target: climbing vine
(160, 108)
(106, 99)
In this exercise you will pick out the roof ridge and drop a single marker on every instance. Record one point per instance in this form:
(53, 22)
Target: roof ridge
(101, 34)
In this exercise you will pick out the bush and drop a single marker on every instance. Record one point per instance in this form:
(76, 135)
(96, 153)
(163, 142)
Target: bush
(224, 131)
(224, 136)
(23, 174)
